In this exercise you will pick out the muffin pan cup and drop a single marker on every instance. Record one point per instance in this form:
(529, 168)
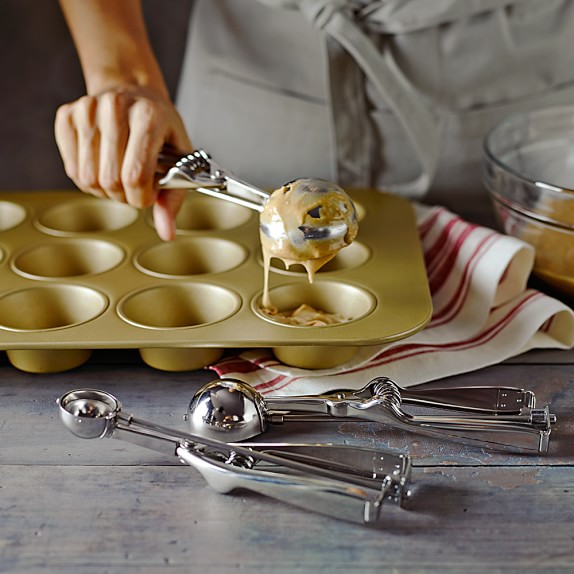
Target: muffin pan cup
(78, 274)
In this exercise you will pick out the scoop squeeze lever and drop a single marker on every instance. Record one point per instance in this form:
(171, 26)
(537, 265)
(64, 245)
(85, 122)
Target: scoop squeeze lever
(197, 171)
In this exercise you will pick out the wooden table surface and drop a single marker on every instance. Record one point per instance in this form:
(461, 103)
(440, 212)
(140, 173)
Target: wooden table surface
(73, 505)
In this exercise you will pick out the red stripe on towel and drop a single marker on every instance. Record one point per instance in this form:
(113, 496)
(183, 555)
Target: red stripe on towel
(410, 350)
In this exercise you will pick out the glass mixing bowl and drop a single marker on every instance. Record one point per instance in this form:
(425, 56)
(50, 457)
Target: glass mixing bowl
(529, 174)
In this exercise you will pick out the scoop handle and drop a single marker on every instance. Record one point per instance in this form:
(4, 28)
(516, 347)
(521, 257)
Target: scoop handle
(375, 464)
(481, 399)
(329, 497)
(197, 171)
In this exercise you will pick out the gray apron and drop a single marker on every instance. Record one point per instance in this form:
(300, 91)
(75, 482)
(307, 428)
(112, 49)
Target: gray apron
(396, 95)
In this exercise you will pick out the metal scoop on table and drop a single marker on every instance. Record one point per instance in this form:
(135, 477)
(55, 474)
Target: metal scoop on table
(493, 417)
(345, 482)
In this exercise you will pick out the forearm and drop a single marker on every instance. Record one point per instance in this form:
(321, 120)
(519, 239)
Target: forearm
(110, 138)
(113, 46)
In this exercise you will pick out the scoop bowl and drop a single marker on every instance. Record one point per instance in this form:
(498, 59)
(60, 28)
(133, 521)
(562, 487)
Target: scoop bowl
(88, 413)
(227, 409)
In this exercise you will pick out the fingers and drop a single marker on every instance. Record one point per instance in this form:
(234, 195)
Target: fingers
(114, 132)
(109, 146)
(147, 128)
(165, 210)
(88, 142)
(109, 143)
(66, 140)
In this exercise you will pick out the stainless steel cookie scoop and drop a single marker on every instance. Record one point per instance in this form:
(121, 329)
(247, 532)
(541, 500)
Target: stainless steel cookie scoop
(344, 482)
(197, 171)
(492, 417)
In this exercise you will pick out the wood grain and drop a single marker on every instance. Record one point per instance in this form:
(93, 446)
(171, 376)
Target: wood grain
(72, 505)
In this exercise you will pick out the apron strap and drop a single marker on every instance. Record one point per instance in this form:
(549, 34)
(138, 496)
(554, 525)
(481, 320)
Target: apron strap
(419, 124)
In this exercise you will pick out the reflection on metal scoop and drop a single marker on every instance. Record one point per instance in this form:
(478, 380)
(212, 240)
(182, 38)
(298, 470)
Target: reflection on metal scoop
(88, 414)
(495, 417)
(345, 482)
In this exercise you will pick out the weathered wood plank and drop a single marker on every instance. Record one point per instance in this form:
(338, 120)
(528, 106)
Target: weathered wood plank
(68, 504)
(32, 433)
(118, 519)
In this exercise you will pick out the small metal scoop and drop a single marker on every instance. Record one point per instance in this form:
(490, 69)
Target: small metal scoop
(197, 171)
(495, 417)
(344, 482)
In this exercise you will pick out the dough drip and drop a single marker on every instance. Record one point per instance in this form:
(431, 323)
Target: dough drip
(307, 221)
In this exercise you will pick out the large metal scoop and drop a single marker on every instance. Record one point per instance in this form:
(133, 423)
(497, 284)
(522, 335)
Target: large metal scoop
(495, 417)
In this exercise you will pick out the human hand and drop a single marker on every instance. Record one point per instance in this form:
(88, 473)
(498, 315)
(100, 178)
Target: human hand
(110, 142)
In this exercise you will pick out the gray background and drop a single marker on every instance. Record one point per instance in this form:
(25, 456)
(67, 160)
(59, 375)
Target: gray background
(39, 70)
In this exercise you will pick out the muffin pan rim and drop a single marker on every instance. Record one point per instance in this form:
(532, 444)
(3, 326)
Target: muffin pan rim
(56, 240)
(245, 252)
(53, 286)
(180, 284)
(373, 300)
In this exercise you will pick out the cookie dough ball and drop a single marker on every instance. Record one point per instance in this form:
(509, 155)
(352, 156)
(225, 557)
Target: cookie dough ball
(308, 220)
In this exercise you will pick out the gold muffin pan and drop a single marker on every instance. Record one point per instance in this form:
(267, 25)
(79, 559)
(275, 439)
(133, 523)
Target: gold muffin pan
(79, 273)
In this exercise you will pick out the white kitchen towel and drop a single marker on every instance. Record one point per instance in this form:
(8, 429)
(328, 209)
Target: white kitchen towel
(483, 313)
